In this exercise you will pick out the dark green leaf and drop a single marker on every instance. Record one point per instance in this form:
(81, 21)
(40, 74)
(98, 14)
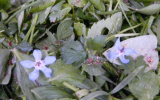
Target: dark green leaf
(12, 28)
(97, 43)
(73, 52)
(94, 70)
(65, 73)
(4, 57)
(24, 46)
(64, 29)
(50, 93)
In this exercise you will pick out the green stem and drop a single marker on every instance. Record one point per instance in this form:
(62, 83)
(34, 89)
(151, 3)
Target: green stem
(34, 24)
(70, 86)
(117, 4)
(126, 17)
(17, 54)
(29, 5)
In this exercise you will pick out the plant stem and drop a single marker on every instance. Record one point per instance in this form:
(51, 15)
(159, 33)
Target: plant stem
(17, 54)
(29, 5)
(70, 86)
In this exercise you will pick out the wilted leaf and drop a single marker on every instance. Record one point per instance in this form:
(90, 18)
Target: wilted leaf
(65, 73)
(73, 52)
(146, 47)
(146, 87)
(50, 93)
(113, 24)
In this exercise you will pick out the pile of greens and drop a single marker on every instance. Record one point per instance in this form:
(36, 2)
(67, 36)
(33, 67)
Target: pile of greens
(79, 49)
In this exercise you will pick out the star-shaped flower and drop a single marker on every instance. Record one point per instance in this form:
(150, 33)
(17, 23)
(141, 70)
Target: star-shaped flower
(120, 52)
(39, 65)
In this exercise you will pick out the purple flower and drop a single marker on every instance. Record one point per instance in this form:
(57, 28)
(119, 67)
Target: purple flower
(39, 65)
(120, 52)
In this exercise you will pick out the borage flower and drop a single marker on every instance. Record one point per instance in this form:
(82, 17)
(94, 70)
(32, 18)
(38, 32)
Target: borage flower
(39, 65)
(121, 52)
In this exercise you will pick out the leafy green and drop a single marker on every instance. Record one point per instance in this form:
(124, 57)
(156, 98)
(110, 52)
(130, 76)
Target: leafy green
(64, 29)
(146, 87)
(94, 70)
(50, 93)
(97, 43)
(65, 73)
(73, 52)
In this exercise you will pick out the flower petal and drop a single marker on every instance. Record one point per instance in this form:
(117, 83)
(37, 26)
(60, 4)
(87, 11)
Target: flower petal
(27, 63)
(49, 60)
(112, 55)
(37, 54)
(47, 72)
(124, 60)
(128, 51)
(34, 75)
(118, 44)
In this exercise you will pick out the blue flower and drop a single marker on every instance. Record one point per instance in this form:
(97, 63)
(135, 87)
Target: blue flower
(120, 52)
(39, 65)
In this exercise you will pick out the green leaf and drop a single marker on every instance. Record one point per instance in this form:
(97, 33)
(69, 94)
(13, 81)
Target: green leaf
(20, 18)
(5, 4)
(50, 93)
(113, 24)
(59, 15)
(146, 87)
(51, 37)
(64, 29)
(73, 52)
(92, 95)
(88, 84)
(65, 99)
(12, 28)
(94, 70)
(65, 73)
(4, 57)
(4, 14)
(98, 4)
(156, 29)
(149, 10)
(24, 46)
(127, 80)
(80, 28)
(7, 77)
(3, 95)
(97, 43)
(24, 82)
(80, 3)
(133, 64)
(57, 7)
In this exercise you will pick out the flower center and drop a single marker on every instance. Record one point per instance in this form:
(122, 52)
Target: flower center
(39, 64)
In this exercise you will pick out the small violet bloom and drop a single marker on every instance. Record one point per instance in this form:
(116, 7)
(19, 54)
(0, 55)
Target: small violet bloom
(39, 65)
(121, 52)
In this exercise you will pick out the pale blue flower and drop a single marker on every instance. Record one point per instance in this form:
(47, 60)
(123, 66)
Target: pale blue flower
(39, 65)
(121, 52)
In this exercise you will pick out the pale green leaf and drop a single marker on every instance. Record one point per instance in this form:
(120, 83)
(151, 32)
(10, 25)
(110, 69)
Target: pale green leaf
(146, 87)
(113, 24)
